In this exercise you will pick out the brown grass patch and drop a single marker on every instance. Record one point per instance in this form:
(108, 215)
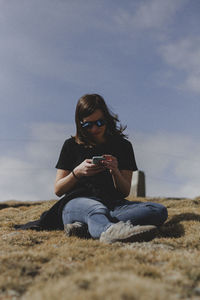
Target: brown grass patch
(49, 265)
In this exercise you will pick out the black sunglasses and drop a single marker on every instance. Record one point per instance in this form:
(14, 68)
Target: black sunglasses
(90, 124)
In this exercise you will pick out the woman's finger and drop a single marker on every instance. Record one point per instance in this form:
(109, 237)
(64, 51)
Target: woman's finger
(89, 161)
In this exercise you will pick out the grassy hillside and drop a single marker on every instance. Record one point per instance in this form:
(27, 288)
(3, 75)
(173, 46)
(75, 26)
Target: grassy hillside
(49, 265)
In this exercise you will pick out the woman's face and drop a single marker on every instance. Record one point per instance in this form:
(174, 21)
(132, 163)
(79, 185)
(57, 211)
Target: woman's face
(96, 133)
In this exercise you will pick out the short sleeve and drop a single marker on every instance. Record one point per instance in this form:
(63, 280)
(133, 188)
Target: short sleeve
(126, 158)
(65, 160)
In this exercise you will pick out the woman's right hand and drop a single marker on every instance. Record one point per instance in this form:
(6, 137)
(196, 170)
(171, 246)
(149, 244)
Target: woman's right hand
(87, 168)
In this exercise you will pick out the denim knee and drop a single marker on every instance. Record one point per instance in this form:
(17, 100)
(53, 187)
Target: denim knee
(98, 209)
(163, 214)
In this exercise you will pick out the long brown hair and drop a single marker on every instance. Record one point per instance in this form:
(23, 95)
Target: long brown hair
(86, 106)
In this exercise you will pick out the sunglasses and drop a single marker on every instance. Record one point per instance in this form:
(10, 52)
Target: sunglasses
(90, 124)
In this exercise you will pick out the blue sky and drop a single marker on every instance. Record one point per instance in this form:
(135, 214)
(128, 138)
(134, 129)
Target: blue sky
(142, 56)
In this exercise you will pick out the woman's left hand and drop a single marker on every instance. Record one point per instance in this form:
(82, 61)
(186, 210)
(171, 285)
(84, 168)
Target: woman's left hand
(110, 163)
(121, 178)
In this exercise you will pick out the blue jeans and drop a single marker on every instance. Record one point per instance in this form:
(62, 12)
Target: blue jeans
(98, 217)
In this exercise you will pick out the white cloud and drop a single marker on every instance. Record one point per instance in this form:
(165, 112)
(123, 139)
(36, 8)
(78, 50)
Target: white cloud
(21, 180)
(156, 13)
(148, 14)
(184, 55)
(39, 43)
(31, 176)
(171, 163)
(193, 82)
(47, 140)
(157, 18)
(43, 41)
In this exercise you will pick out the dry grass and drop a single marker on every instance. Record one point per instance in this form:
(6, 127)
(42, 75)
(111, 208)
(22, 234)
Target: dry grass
(49, 265)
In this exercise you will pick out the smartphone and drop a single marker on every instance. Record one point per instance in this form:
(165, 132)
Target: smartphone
(97, 159)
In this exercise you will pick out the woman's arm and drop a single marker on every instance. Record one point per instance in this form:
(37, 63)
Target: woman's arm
(122, 181)
(66, 180)
(121, 178)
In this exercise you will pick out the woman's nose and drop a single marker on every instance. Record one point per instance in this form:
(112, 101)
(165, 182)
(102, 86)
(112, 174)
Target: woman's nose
(94, 128)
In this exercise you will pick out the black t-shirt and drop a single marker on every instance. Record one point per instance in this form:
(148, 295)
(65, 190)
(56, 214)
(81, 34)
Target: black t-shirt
(101, 185)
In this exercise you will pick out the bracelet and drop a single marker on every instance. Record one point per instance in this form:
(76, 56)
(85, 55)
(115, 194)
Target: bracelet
(75, 175)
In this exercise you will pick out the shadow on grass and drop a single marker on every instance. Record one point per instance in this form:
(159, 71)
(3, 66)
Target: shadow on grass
(18, 204)
(173, 228)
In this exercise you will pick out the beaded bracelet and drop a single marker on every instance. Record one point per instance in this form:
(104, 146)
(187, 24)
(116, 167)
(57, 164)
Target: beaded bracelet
(75, 175)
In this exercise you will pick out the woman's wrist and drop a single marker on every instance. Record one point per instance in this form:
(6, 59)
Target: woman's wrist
(115, 172)
(75, 175)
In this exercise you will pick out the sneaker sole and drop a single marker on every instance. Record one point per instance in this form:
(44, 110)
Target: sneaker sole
(144, 236)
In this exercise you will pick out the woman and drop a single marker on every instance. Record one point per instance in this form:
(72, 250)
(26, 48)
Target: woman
(94, 193)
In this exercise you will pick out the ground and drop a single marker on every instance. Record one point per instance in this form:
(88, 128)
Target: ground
(49, 265)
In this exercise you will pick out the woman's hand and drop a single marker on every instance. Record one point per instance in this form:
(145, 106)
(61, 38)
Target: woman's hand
(110, 163)
(66, 180)
(121, 178)
(87, 168)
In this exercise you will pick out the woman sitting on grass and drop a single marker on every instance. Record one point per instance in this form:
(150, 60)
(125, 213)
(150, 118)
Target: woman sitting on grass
(94, 191)
(93, 201)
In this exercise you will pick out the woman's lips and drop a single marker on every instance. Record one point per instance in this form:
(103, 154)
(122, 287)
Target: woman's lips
(96, 133)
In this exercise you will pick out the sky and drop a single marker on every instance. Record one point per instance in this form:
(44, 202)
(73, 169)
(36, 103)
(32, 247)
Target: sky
(142, 56)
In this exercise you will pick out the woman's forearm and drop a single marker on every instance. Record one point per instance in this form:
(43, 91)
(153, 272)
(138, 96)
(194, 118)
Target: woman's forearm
(65, 184)
(121, 178)
(66, 180)
(121, 183)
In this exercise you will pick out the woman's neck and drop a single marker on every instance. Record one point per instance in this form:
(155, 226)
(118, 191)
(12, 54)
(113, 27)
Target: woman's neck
(100, 140)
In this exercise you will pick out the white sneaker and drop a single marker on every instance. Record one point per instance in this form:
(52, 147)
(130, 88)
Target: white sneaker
(126, 232)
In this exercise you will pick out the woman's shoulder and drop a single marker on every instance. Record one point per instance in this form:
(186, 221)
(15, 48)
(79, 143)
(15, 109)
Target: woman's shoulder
(70, 142)
(119, 140)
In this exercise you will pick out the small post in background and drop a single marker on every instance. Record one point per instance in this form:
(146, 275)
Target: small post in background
(138, 188)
